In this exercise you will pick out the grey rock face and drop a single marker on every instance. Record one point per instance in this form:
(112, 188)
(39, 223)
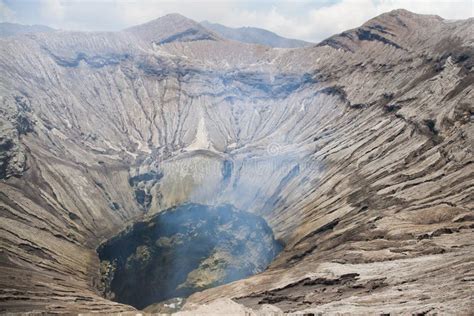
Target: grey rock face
(15, 122)
(357, 152)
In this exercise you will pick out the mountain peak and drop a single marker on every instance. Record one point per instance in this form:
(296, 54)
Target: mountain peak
(404, 18)
(398, 28)
(172, 27)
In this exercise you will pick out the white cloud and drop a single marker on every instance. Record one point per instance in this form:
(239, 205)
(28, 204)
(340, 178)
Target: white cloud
(6, 14)
(53, 9)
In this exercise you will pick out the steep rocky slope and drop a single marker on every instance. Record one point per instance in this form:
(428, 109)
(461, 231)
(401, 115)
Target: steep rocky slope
(357, 152)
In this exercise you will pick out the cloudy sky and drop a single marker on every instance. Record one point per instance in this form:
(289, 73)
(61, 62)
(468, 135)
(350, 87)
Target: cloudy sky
(311, 20)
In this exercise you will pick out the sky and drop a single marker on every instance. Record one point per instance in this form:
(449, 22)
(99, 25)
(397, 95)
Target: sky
(311, 20)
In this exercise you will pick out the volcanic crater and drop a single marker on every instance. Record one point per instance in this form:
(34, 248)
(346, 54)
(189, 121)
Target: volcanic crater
(166, 161)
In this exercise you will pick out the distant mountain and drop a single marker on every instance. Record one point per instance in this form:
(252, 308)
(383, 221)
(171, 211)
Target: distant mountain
(12, 29)
(254, 35)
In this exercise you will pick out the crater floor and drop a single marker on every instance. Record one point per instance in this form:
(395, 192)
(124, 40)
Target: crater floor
(182, 250)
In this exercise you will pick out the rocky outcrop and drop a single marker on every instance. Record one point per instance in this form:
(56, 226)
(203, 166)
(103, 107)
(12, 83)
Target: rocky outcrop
(357, 152)
(15, 121)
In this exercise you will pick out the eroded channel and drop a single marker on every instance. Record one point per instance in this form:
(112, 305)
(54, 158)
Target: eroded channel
(183, 250)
